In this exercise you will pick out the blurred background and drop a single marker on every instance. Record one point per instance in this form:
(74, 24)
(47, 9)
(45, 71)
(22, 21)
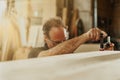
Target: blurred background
(21, 21)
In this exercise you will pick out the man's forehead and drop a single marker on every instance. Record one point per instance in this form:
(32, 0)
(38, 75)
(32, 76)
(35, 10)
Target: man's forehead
(56, 30)
(57, 33)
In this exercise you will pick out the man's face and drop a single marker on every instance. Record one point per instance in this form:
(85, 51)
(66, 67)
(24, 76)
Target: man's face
(56, 36)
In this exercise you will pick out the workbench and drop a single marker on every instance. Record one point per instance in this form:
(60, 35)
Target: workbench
(96, 65)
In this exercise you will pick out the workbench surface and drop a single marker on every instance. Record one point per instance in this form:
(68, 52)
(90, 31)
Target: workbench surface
(96, 65)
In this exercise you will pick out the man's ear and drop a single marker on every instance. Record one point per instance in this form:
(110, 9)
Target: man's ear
(45, 38)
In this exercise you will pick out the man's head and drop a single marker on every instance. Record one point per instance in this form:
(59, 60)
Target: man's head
(53, 31)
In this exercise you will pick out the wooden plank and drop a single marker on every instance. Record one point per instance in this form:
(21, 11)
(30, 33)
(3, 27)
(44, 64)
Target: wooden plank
(96, 65)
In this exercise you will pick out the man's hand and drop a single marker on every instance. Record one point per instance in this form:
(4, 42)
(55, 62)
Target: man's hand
(94, 34)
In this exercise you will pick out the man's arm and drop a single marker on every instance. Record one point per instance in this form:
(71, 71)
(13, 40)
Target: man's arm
(66, 47)
(71, 45)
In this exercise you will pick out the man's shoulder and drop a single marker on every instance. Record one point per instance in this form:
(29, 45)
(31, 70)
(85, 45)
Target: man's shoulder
(35, 51)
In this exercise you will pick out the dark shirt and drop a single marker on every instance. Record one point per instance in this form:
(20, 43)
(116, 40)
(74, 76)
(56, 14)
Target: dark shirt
(35, 51)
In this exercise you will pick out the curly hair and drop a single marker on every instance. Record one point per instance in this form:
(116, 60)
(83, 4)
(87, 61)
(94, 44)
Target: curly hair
(52, 22)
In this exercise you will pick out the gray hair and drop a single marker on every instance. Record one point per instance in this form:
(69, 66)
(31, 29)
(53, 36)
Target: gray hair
(52, 22)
